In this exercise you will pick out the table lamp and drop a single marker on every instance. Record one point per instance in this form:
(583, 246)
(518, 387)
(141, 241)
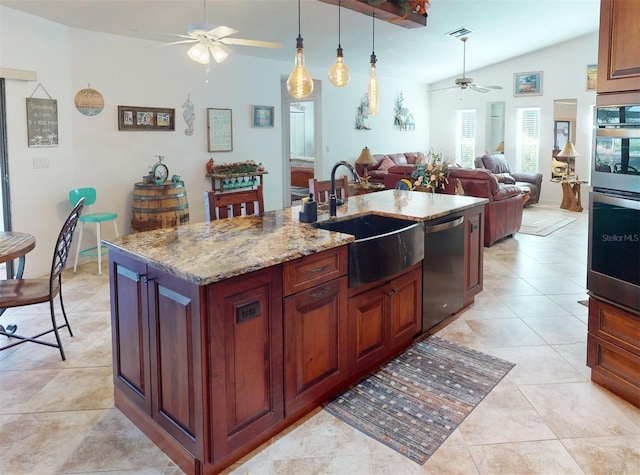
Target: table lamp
(500, 148)
(569, 152)
(365, 159)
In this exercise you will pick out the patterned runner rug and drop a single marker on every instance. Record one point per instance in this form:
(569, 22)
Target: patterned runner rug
(415, 401)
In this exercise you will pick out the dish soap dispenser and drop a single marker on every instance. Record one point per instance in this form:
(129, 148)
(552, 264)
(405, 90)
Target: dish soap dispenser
(309, 213)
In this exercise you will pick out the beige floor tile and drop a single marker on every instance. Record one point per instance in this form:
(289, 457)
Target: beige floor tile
(576, 356)
(75, 390)
(612, 455)
(558, 330)
(114, 443)
(496, 333)
(575, 410)
(555, 286)
(535, 306)
(504, 416)
(17, 388)
(450, 461)
(540, 457)
(538, 365)
(512, 287)
(39, 443)
(346, 464)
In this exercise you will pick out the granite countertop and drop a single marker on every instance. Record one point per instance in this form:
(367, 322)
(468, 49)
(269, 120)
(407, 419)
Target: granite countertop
(209, 252)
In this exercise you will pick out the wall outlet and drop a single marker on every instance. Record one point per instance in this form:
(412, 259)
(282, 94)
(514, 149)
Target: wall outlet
(40, 162)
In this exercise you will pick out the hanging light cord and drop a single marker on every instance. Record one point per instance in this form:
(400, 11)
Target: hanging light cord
(339, 2)
(373, 52)
(299, 39)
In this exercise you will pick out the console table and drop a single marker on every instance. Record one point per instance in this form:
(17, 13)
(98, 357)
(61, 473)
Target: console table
(571, 198)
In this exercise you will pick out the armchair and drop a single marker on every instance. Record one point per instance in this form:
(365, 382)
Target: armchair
(498, 165)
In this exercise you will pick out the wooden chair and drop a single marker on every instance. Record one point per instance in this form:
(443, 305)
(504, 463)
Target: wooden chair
(21, 292)
(321, 189)
(233, 203)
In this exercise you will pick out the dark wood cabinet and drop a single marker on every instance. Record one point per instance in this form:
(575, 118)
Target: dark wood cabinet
(613, 352)
(156, 349)
(383, 320)
(315, 328)
(473, 254)
(245, 359)
(619, 48)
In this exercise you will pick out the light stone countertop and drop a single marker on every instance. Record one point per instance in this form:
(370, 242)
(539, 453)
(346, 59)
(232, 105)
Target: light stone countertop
(209, 252)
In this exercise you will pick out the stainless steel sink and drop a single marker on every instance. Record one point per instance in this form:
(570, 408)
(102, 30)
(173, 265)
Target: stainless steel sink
(383, 247)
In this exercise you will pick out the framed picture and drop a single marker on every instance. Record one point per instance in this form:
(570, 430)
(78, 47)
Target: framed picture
(261, 116)
(527, 84)
(146, 118)
(220, 131)
(592, 77)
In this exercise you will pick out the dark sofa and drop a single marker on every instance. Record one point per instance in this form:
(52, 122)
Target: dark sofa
(392, 163)
(497, 164)
(503, 213)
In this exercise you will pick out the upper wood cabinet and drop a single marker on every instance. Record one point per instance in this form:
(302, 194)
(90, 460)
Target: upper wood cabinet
(619, 48)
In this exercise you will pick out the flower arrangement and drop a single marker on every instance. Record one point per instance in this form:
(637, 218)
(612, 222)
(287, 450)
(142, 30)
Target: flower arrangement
(432, 173)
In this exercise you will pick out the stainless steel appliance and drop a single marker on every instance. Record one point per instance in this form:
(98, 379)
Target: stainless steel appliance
(442, 270)
(616, 164)
(614, 247)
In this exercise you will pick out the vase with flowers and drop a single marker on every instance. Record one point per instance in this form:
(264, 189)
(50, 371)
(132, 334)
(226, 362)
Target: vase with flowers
(432, 174)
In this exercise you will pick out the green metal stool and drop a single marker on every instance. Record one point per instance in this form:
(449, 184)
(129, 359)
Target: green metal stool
(89, 195)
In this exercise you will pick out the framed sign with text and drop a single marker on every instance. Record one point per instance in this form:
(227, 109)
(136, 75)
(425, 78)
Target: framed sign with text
(42, 122)
(220, 130)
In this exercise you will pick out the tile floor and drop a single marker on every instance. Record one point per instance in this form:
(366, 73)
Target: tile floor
(544, 417)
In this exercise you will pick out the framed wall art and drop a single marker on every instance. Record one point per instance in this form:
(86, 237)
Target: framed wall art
(592, 77)
(261, 116)
(527, 84)
(146, 118)
(220, 130)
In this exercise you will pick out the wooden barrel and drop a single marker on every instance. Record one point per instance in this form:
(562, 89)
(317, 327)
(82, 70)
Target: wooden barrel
(159, 206)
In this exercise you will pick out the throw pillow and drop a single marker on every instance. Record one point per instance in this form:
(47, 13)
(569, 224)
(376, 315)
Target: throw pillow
(505, 178)
(385, 164)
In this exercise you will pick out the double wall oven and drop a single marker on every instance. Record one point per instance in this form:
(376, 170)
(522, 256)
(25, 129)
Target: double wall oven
(614, 206)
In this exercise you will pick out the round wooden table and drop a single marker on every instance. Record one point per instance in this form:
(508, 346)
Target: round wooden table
(14, 246)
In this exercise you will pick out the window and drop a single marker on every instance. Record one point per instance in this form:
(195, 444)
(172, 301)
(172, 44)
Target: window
(528, 139)
(466, 137)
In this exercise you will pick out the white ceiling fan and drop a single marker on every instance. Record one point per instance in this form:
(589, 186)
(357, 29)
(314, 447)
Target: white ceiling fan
(210, 42)
(464, 82)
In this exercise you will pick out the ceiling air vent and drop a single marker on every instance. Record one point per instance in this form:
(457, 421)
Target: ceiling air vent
(457, 33)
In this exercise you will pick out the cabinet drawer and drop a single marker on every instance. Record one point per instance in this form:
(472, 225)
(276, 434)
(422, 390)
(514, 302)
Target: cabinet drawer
(308, 271)
(614, 368)
(615, 325)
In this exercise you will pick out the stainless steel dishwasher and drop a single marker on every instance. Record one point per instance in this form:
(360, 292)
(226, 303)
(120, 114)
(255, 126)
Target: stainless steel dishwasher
(442, 270)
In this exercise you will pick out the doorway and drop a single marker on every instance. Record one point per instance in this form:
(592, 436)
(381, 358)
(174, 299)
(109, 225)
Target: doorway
(301, 142)
(5, 201)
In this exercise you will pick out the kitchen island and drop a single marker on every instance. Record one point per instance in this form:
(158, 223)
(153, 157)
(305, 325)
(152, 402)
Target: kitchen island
(224, 333)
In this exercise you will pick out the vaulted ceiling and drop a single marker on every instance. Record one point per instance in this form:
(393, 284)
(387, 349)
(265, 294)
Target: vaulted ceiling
(501, 29)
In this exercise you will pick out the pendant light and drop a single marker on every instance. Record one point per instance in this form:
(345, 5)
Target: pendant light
(299, 83)
(339, 74)
(373, 79)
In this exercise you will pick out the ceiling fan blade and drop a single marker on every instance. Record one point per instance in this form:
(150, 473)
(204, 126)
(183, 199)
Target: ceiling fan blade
(256, 43)
(478, 88)
(445, 89)
(161, 33)
(451, 89)
(181, 42)
(488, 87)
(221, 31)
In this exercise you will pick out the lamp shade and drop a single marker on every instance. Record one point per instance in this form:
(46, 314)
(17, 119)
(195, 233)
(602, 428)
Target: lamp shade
(500, 147)
(365, 157)
(568, 151)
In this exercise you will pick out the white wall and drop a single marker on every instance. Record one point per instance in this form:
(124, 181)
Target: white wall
(92, 152)
(564, 68)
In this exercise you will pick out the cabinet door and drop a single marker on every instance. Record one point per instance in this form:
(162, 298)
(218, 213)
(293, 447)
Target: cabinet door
(473, 256)
(130, 330)
(406, 309)
(245, 357)
(315, 341)
(619, 48)
(176, 367)
(368, 329)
